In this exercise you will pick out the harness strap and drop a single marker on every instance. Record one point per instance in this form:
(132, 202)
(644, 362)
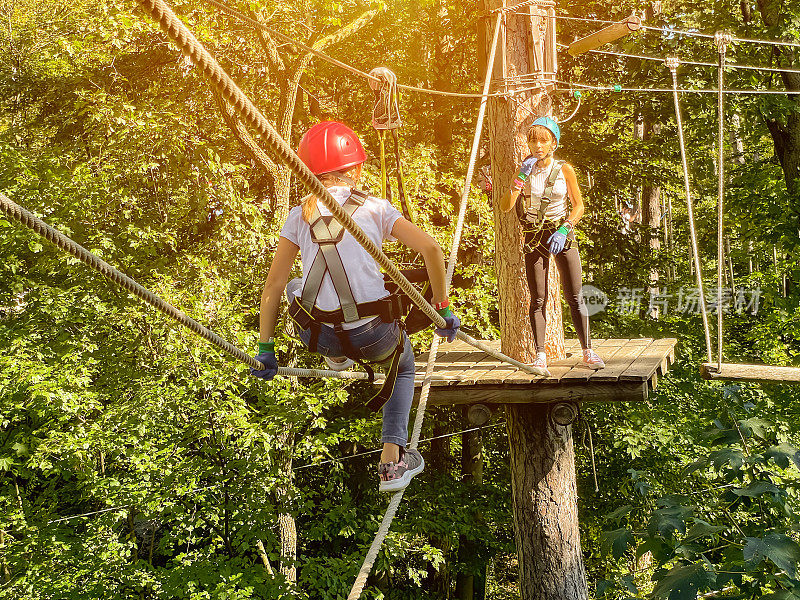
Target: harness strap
(327, 233)
(544, 203)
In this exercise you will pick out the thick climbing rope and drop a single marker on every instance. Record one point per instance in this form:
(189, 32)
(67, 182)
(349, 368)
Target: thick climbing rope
(394, 503)
(672, 65)
(326, 57)
(160, 11)
(722, 39)
(29, 220)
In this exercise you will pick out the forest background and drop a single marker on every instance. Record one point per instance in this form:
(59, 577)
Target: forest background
(136, 461)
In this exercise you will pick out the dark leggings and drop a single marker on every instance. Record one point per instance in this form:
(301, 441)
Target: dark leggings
(568, 263)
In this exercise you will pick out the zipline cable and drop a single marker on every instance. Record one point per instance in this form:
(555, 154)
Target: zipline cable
(307, 466)
(683, 62)
(29, 220)
(394, 503)
(619, 88)
(160, 11)
(672, 65)
(326, 57)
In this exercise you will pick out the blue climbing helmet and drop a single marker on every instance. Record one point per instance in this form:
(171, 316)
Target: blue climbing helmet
(551, 126)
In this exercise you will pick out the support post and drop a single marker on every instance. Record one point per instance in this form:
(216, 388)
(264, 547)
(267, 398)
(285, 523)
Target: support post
(545, 504)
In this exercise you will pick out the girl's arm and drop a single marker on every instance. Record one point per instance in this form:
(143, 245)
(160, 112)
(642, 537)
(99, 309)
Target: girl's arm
(574, 194)
(508, 201)
(274, 287)
(416, 239)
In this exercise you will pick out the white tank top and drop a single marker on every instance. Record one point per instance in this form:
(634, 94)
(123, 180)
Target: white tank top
(559, 200)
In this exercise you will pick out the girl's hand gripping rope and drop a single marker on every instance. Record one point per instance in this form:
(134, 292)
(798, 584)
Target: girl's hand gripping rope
(453, 322)
(266, 356)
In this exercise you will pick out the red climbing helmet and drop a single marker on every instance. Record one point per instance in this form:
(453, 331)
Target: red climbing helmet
(331, 146)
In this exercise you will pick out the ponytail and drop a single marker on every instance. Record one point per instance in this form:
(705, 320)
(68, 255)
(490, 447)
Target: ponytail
(309, 203)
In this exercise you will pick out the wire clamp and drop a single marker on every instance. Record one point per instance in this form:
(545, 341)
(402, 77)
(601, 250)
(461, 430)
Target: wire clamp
(672, 63)
(722, 39)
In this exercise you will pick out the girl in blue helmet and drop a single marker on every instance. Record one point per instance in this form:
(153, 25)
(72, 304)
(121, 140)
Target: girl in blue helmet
(549, 205)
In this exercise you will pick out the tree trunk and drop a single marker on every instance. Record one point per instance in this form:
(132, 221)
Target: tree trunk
(470, 586)
(286, 525)
(542, 461)
(545, 504)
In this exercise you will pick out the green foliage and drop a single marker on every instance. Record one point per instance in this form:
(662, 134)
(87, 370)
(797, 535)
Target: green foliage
(138, 462)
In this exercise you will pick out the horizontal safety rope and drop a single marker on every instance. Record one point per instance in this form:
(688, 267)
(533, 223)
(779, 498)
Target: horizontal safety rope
(306, 466)
(326, 57)
(666, 30)
(693, 63)
(29, 220)
(221, 81)
(619, 88)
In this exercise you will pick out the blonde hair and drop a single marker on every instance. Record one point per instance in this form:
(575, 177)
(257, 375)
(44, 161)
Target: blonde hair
(309, 203)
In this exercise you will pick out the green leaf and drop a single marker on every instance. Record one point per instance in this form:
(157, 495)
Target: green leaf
(684, 583)
(782, 454)
(780, 549)
(617, 514)
(616, 541)
(702, 529)
(758, 488)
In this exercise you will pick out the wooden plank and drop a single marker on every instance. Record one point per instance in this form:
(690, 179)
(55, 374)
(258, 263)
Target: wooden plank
(618, 363)
(647, 363)
(516, 394)
(579, 372)
(755, 373)
(472, 376)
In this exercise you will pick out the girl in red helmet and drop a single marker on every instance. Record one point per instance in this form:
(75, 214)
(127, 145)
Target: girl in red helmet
(549, 209)
(341, 304)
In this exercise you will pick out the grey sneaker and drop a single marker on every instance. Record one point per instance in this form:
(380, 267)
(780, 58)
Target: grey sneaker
(396, 476)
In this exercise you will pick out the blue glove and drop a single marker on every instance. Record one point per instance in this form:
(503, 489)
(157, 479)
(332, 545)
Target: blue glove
(267, 358)
(453, 323)
(558, 240)
(527, 166)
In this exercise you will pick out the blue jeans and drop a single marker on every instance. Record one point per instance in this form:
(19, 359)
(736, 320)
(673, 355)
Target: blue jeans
(374, 341)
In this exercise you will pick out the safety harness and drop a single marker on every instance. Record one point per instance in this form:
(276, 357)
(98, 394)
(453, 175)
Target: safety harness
(531, 210)
(327, 232)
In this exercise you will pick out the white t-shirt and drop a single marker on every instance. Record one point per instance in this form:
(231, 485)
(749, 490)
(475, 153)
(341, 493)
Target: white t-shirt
(377, 218)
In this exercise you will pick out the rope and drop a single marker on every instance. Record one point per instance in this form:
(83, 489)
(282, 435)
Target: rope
(685, 62)
(26, 218)
(222, 83)
(394, 503)
(619, 88)
(376, 451)
(326, 57)
(722, 39)
(672, 64)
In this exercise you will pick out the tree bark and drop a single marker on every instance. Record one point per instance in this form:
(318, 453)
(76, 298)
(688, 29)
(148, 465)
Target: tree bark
(545, 506)
(542, 461)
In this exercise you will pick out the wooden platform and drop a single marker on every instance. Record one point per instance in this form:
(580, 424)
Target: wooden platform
(464, 375)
